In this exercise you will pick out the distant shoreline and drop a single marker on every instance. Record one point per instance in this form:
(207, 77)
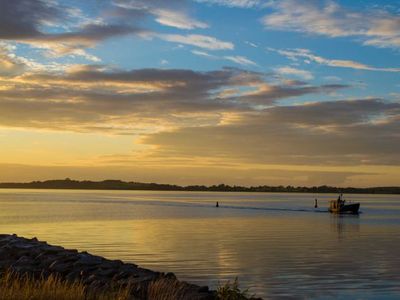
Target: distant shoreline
(139, 186)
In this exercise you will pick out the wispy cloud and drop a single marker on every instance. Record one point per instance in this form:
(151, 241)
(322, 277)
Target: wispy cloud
(332, 78)
(164, 62)
(303, 74)
(177, 19)
(307, 56)
(251, 44)
(202, 53)
(241, 60)
(237, 59)
(233, 3)
(374, 27)
(169, 13)
(197, 40)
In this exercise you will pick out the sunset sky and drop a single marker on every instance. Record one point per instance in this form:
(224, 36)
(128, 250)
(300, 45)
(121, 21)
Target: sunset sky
(244, 92)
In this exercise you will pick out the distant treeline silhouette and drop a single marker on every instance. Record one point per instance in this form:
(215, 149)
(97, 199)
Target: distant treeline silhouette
(122, 185)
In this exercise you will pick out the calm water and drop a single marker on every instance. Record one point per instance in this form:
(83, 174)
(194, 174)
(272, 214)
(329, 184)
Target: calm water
(276, 244)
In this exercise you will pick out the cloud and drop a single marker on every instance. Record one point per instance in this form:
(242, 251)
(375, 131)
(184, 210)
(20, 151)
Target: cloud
(62, 30)
(308, 56)
(241, 60)
(265, 94)
(374, 27)
(177, 19)
(332, 78)
(347, 132)
(237, 59)
(233, 3)
(99, 99)
(197, 40)
(90, 99)
(22, 19)
(168, 13)
(303, 74)
(89, 34)
(10, 65)
(202, 53)
(74, 42)
(59, 29)
(251, 44)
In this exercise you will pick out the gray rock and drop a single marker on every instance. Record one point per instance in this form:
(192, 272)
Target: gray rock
(38, 259)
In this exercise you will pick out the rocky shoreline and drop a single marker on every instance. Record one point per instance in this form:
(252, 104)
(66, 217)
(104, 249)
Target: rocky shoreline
(38, 259)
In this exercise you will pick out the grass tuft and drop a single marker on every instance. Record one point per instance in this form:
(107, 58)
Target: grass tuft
(24, 287)
(231, 291)
(167, 289)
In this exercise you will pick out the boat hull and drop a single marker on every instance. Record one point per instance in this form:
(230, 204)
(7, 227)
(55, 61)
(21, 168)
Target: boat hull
(351, 208)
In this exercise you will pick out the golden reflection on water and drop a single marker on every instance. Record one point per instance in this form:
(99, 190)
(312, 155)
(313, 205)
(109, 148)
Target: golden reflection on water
(345, 225)
(274, 253)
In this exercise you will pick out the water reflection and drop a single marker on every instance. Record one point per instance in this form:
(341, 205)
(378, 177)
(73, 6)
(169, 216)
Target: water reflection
(288, 251)
(346, 226)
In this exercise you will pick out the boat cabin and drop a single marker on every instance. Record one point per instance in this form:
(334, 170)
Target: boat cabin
(340, 206)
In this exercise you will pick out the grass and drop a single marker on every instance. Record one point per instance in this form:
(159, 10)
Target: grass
(13, 286)
(166, 289)
(231, 291)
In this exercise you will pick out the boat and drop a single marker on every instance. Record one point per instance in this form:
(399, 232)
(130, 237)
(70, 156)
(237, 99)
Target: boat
(340, 206)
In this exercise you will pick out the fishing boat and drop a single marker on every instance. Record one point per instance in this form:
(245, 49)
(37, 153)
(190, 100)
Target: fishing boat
(340, 206)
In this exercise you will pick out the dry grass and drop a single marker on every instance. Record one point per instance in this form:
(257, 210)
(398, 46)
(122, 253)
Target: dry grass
(166, 289)
(13, 286)
(52, 288)
(169, 289)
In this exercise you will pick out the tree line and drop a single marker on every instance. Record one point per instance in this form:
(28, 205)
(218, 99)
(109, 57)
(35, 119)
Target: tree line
(123, 185)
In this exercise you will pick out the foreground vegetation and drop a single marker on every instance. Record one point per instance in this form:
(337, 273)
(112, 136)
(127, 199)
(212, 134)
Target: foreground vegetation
(231, 291)
(52, 288)
(122, 185)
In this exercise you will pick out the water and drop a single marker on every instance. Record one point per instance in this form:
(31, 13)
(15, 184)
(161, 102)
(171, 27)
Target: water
(277, 244)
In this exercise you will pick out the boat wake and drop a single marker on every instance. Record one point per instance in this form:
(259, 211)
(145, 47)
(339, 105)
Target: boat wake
(276, 209)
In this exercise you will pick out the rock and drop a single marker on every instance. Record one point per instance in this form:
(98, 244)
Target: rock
(106, 273)
(38, 259)
(73, 276)
(60, 267)
(90, 279)
(121, 275)
(86, 259)
(170, 275)
(23, 260)
(203, 289)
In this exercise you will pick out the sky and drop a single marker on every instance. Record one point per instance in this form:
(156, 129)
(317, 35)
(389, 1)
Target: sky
(244, 92)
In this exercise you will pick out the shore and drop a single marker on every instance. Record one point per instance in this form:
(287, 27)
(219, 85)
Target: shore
(142, 186)
(37, 259)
